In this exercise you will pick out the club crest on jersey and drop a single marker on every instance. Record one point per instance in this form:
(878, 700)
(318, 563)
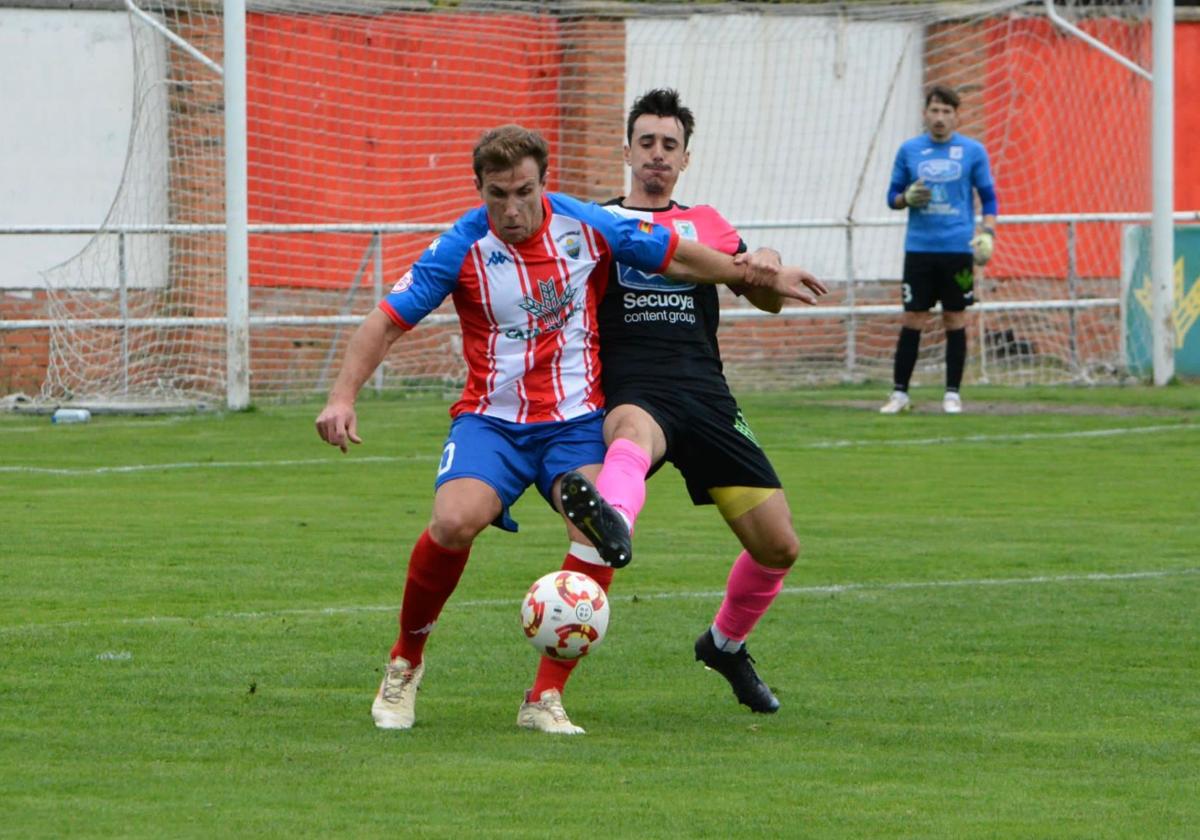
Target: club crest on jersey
(403, 283)
(551, 309)
(646, 227)
(956, 152)
(497, 258)
(571, 243)
(686, 229)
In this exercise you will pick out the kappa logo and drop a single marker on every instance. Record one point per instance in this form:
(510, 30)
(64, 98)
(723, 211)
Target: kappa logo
(497, 258)
(571, 242)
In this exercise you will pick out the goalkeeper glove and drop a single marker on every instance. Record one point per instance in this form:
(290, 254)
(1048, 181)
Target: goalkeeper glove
(917, 194)
(983, 244)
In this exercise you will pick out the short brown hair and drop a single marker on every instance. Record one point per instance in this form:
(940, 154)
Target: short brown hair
(505, 147)
(942, 94)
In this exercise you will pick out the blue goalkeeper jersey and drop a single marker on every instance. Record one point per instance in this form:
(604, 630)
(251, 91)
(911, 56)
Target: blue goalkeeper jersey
(951, 170)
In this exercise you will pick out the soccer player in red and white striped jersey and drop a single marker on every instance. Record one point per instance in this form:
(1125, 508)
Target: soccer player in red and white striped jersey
(526, 271)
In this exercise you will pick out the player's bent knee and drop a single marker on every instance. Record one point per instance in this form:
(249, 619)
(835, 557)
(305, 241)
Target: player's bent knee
(456, 529)
(454, 535)
(778, 552)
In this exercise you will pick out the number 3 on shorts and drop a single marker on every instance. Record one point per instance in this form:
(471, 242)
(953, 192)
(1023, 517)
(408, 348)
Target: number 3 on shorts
(447, 458)
(906, 292)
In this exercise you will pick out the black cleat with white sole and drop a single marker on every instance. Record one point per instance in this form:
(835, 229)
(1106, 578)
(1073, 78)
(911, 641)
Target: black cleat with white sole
(738, 668)
(598, 520)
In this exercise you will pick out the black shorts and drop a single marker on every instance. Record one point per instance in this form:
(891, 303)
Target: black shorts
(930, 277)
(708, 440)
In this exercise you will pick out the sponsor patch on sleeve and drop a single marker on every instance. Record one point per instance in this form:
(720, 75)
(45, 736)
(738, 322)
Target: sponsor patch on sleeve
(403, 283)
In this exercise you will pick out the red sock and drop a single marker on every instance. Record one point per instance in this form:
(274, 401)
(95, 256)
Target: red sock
(433, 573)
(554, 673)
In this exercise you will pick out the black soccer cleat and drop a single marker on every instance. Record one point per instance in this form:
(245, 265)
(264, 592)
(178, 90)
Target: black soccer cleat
(738, 668)
(598, 520)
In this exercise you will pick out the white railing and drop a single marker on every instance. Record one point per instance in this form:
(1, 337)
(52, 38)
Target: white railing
(373, 257)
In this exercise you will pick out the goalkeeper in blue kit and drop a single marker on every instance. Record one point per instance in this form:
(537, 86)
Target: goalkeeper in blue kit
(935, 177)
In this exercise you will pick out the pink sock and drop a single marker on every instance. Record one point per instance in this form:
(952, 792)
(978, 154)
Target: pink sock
(748, 593)
(622, 479)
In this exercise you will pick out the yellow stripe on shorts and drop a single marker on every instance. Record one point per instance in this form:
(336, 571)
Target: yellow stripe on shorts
(734, 501)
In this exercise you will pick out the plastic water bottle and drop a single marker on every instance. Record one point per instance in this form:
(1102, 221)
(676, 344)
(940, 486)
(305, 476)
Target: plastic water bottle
(71, 415)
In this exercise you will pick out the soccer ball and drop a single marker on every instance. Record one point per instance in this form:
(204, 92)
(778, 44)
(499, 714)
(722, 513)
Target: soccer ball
(565, 614)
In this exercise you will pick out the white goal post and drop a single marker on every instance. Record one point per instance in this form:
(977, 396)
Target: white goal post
(279, 210)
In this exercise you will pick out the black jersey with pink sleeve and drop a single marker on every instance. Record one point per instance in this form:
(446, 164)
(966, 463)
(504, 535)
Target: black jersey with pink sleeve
(661, 331)
(528, 311)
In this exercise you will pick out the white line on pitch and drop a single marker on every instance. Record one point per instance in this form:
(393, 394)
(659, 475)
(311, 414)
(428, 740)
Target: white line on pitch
(200, 465)
(829, 589)
(42, 421)
(982, 438)
(817, 444)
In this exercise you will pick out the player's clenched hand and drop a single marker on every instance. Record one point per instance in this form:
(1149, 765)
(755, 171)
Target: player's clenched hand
(762, 267)
(337, 425)
(917, 194)
(982, 245)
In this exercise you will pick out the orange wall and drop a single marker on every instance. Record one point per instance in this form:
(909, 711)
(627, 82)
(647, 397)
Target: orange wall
(330, 142)
(1187, 115)
(1050, 153)
(308, 83)
(1044, 165)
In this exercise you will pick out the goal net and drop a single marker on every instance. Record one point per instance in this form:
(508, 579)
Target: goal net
(362, 115)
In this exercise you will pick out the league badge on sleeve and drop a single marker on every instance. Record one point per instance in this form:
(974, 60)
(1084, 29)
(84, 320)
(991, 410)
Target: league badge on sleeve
(403, 284)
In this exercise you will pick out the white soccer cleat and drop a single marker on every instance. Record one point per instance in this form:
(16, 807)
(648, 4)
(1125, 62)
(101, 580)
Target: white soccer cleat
(896, 403)
(547, 715)
(395, 704)
(952, 403)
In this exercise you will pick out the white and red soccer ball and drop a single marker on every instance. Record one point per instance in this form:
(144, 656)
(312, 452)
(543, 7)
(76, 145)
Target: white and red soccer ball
(565, 614)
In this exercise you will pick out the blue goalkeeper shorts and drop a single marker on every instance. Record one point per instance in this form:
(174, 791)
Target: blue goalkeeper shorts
(509, 457)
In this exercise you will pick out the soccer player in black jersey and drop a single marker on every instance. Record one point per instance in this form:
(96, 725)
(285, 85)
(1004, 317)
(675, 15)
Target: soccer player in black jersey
(667, 399)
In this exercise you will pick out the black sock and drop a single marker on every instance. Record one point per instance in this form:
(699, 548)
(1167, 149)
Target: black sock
(956, 357)
(906, 357)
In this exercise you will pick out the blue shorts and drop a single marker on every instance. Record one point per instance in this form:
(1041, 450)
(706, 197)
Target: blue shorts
(508, 457)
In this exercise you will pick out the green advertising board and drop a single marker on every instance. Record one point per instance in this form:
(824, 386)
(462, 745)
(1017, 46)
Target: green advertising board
(1136, 304)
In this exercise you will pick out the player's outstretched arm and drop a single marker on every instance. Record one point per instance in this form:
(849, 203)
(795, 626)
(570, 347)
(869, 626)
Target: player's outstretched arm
(337, 424)
(700, 264)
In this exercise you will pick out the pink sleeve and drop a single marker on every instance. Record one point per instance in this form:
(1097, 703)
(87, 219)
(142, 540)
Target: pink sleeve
(714, 230)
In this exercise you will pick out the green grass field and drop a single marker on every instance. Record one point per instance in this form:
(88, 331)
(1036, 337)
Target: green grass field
(993, 631)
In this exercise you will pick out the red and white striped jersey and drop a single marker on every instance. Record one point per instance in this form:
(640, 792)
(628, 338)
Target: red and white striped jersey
(528, 311)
